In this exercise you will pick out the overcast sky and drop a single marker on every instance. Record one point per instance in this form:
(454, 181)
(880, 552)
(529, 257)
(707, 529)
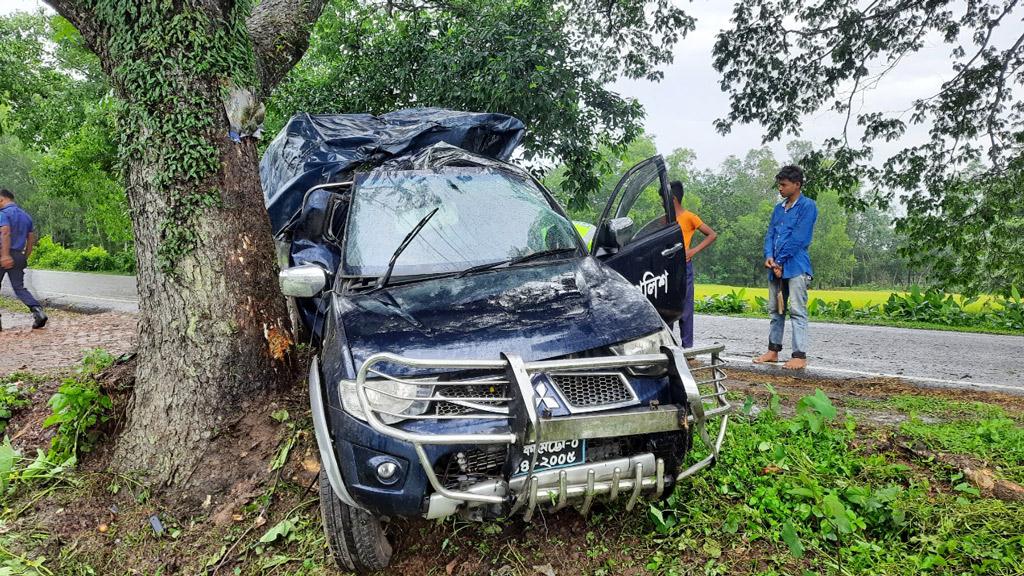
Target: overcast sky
(681, 108)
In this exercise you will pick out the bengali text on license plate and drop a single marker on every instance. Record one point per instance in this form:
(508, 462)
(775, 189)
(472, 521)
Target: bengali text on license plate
(553, 455)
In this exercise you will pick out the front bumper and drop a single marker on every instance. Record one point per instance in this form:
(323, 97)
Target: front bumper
(696, 404)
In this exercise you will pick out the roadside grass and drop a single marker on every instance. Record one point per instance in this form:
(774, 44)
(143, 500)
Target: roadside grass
(859, 298)
(12, 305)
(801, 488)
(864, 307)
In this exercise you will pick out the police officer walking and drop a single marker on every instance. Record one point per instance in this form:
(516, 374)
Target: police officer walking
(17, 237)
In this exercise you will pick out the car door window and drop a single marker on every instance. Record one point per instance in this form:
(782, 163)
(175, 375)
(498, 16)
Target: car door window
(644, 200)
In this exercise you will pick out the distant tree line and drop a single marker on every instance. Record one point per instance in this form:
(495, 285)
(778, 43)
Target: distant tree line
(58, 148)
(856, 248)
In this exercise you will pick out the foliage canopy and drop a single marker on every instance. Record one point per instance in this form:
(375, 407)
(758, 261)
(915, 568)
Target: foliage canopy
(784, 59)
(546, 62)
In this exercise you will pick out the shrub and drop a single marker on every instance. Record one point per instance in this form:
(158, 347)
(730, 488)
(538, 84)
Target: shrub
(732, 303)
(50, 255)
(1008, 312)
(932, 305)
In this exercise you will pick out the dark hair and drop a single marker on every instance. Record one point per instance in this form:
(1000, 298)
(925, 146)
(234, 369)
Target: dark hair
(6, 193)
(677, 189)
(791, 173)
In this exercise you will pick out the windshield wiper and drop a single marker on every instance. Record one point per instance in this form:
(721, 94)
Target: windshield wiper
(541, 254)
(401, 247)
(513, 261)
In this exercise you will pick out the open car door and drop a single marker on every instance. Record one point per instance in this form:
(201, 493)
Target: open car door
(639, 238)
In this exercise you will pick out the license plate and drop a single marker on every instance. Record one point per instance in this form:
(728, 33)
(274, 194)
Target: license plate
(551, 455)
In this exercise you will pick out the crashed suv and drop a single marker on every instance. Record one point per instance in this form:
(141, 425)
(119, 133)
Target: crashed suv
(475, 355)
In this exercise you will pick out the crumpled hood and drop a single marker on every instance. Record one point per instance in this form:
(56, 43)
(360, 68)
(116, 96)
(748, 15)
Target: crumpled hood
(540, 311)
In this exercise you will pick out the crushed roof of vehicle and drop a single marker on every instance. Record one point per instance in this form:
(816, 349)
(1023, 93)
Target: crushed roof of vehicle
(322, 148)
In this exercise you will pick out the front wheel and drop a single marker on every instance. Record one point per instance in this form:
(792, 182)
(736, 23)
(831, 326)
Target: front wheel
(356, 537)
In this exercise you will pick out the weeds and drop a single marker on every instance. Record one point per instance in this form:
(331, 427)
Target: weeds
(732, 303)
(800, 492)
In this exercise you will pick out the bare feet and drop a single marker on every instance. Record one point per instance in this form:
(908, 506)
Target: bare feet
(769, 356)
(795, 364)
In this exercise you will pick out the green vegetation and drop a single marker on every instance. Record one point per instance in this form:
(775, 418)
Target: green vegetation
(960, 185)
(811, 493)
(930, 308)
(52, 256)
(815, 492)
(850, 248)
(15, 390)
(78, 407)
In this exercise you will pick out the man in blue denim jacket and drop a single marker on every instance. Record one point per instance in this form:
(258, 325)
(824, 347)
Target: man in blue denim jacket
(789, 266)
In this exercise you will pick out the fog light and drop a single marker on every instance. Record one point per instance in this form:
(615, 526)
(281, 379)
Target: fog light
(386, 470)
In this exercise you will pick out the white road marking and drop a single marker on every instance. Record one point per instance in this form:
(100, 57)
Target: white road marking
(45, 293)
(958, 383)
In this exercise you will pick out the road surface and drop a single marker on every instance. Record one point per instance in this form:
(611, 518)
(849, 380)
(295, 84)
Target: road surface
(933, 357)
(80, 290)
(938, 358)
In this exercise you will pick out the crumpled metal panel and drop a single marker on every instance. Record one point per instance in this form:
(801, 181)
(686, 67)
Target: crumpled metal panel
(317, 149)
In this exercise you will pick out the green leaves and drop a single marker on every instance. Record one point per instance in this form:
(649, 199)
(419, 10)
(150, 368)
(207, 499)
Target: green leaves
(796, 547)
(548, 63)
(812, 412)
(837, 513)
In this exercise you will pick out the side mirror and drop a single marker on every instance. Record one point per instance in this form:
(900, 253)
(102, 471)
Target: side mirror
(303, 281)
(619, 231)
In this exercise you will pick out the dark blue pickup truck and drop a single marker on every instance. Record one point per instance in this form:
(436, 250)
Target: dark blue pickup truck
(475, 355)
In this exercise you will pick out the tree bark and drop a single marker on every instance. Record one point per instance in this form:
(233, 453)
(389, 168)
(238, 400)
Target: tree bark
(212, 332)
(210, 337)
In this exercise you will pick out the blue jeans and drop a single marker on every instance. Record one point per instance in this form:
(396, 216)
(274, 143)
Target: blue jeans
(17, 275)
(686, 320)
(794, 293)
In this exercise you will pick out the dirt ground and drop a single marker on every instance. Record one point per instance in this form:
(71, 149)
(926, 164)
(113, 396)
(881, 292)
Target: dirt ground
(107, 520)
(64, 339)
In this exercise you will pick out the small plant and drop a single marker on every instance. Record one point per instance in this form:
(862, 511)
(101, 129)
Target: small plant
(78, 407)
(732, 303)
(13, 395)
(932, 305)
(1008, 311)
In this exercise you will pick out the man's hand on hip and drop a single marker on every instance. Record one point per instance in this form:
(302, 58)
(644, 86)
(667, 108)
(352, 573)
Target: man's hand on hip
(7, 262)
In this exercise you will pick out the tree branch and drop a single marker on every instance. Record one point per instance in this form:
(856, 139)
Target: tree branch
(280, 35)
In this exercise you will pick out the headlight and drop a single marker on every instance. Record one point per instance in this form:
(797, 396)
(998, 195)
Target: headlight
(389, 396)
(650, 344)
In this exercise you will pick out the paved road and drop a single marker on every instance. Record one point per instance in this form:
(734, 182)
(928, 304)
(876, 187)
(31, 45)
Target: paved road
(949, 359)
(81, 291)
(954, 359)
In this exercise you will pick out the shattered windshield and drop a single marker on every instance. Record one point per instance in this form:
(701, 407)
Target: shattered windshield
(483, 216)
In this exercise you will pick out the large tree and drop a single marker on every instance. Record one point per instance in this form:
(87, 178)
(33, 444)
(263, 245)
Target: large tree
(784, 59)
(547, 62)
(213, 328)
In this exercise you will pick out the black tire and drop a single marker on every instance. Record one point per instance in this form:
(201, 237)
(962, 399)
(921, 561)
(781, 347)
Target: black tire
(356, 537)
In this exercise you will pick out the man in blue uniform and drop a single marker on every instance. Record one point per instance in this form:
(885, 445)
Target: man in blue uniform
(17, 237)
(789, 266)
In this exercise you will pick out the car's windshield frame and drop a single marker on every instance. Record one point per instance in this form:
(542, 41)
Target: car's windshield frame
(522, 177)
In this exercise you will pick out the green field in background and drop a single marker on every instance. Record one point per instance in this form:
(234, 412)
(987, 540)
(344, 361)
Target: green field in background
(859, 298)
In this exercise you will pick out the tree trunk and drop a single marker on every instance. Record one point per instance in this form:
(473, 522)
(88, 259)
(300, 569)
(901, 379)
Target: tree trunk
(213, 334)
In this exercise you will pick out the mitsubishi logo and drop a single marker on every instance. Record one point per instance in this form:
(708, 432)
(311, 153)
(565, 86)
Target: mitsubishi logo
(542, 397)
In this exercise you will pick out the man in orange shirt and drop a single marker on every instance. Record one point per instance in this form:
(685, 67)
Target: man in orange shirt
(689, 223)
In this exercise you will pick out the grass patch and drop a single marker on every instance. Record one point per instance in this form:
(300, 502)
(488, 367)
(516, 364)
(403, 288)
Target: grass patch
(815, 493)
(823, 502)
(859, 298)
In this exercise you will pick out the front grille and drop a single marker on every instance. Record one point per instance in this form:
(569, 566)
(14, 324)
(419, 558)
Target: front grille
(593, 390)
(479, 385)
(472, 466)
(442, 408)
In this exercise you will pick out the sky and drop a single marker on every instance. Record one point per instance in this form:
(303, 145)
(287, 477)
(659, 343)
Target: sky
(682, 107)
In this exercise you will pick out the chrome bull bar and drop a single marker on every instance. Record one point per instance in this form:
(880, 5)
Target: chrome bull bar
(522, 425)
